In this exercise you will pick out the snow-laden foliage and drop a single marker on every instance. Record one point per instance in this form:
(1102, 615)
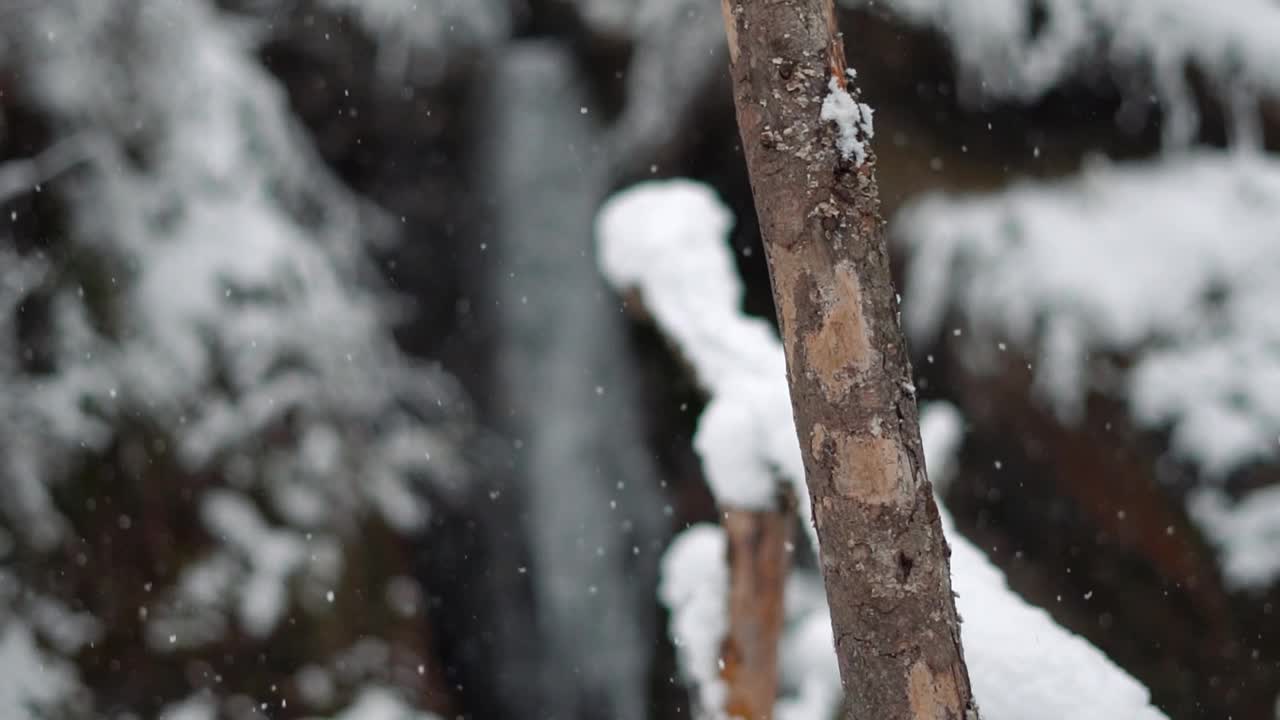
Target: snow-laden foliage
(37, 678)
(667, 240)
(1248, 531)
(210, 325)
(1021, 49)
(233, 266)
(1171, 263)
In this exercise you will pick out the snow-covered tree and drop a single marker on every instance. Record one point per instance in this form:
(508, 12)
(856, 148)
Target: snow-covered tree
(198, 376)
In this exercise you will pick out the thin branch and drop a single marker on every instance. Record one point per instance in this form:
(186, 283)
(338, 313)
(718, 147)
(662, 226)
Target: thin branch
(22, 176)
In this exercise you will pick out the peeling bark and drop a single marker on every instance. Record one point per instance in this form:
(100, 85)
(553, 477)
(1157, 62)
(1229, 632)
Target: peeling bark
(884, 558)
(758, 565)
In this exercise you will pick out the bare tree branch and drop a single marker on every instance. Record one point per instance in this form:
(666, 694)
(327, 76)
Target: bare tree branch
(20, 176)
(884, 557)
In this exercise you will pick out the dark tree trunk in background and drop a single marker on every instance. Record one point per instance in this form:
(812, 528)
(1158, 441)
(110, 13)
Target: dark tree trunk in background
(884, 558)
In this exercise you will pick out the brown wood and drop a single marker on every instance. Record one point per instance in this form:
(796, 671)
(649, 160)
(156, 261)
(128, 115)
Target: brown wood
(758, 565)
(883, 555)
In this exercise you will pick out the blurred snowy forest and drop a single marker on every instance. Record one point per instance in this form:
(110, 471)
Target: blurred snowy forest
(389, 359)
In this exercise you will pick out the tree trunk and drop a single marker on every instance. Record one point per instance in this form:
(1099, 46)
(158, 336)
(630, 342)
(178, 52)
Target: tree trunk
(884, 558)
(758, 564)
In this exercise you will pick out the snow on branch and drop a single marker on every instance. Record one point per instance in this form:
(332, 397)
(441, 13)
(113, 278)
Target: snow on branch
(664, 241)
(380, 703)
(34, 678)
(1001, 52)
(244, 254)
(695, 587)
(1171, 262)
(667, 240)
(1247, 532)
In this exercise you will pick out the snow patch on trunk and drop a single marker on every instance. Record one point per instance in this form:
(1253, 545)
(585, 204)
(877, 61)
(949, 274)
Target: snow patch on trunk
(852, 119)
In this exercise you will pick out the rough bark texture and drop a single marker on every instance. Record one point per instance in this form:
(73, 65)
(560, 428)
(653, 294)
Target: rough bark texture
(758, 564)
(884, 558)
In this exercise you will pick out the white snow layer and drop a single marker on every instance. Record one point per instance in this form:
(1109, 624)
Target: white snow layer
(200, 706)
(746, 433)
(695, 587)
(272, 557)
(668, 240)
(377, 703)
(1172, 262)
(852, 119)
(33, 678)
(941, 422)
(1247, 533)
(1001, 52)
(242, 301)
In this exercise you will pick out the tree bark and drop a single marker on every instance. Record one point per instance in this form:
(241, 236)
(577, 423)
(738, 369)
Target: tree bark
(884, 559)
(758, 564)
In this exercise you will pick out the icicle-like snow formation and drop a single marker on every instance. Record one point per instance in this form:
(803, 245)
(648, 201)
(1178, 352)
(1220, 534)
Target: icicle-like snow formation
(1171, 261)
(667, 240)
(564, 384)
